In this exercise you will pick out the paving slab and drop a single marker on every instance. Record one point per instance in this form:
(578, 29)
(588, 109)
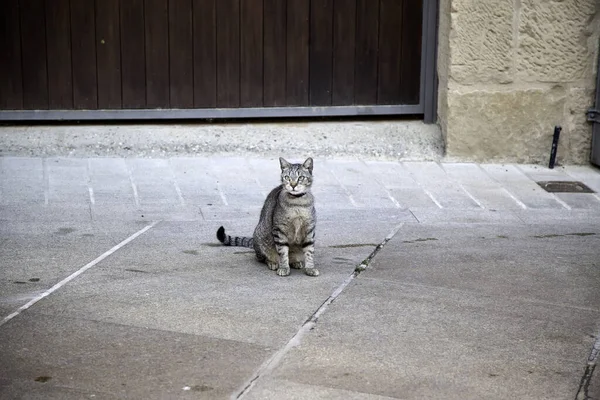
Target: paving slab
(88, 359)
(437, 316)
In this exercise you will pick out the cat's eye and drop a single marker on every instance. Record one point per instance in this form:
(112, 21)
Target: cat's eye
(287, 177)
(300, 179)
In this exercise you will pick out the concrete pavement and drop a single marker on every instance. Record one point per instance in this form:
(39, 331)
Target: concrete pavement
(472, 282)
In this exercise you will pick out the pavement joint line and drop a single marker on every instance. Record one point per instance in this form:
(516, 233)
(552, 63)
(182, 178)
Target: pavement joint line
(586, 379)
(273, 362)
(77, 273)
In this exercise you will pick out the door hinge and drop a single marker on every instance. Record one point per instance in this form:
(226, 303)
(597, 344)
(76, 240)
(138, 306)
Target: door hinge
(593, 115)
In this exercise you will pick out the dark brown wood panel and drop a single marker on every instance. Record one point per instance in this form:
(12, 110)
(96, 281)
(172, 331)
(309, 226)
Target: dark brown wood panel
(108, 52)
(344, 47)
(205, 53)
(58, 45)
(390, 50)
(275, 16)
(11, 85)
(133, 54)
(157, 53)
(410, 69)
(321, 52)
(251, 68)
(228, 53)
(148, 54)
(181, 54)
(367, 41)
(297, 65)
(83, 53)
(33, 54)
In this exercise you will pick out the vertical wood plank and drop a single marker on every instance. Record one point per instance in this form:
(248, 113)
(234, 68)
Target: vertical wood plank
(205, 53)
(275, 15)
(181, 54)
(297, 52)
(58, 43)
(321, 52)
(367, 41)
(228, 53)
(108, 50)
(11, 85)
(390, 50)
(33, 50)
(344, 46)
(157, 53)
(410, 65)
(133, 55)
(251, 67)
(83, 50)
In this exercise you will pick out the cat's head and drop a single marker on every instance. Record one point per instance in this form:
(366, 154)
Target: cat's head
(296, 178)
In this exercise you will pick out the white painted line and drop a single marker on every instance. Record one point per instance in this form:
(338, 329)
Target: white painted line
(46, 182)
(89, 182)
(176, 185)
(561, 202)
(222, 194)
(389, 194)
(92, 199)
(352, 201)
(428, 193)
(471, 196)
(75, 274)
(512, 196)
(596, 196)
(136, 197)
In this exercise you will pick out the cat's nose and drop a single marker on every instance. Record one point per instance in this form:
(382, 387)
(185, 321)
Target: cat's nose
(293, 184)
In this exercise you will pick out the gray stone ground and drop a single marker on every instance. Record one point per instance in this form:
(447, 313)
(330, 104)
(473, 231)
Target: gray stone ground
(113, 286)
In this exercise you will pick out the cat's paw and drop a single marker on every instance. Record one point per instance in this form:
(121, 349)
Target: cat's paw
(311, 271)
(283, 271)
(272, 265)
(297, 265)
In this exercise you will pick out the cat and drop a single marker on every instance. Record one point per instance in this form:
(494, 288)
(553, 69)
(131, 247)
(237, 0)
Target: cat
(285, 234)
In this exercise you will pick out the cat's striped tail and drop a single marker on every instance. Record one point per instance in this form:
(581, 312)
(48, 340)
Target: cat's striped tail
(234, 240)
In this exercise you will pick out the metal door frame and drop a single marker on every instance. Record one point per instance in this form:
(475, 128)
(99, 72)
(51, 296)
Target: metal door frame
(593, 116)
(427, 99)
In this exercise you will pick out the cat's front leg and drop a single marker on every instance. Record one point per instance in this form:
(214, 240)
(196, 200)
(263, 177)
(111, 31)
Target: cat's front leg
(283, 250)
(284, 261)
(309, 249)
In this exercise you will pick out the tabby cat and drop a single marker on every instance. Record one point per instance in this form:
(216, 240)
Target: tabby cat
(285, 234)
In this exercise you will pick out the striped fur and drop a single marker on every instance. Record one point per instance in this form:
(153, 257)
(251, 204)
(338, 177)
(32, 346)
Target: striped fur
(242, 241)
(284, 237)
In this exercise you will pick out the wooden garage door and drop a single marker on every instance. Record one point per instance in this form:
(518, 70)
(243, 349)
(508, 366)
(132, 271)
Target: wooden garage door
(208, 54)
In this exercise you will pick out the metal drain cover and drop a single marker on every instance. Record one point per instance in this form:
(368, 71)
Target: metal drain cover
(565, 187)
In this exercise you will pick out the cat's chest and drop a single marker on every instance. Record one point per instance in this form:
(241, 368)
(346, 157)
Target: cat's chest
(297, 221)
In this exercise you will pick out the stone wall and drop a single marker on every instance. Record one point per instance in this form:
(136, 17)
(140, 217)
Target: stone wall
(509, 71)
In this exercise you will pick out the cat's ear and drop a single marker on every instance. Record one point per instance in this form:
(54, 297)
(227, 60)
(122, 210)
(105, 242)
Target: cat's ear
(284, 164)
(308, 164)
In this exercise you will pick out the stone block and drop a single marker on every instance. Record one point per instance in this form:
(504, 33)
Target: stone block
(553, 44)
(576, 145)
(512, 126)
(481, 41)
